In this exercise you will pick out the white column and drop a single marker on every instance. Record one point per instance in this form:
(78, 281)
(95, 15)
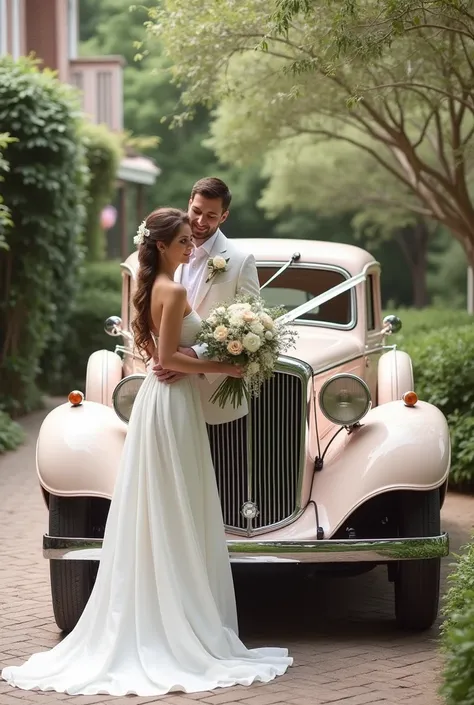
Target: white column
(16, 31)
(73, 28)
(3, 27)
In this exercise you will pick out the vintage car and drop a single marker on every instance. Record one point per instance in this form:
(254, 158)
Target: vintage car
(337, 462)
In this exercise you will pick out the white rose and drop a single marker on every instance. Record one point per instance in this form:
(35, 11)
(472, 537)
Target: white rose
(239, 307)
(220, 333)
(220, 311)
(253, 368)
(257, 328)
(219, 262)
(268, 335)
(251, 342)
(235, 319)
(212, 320)
(267, 321)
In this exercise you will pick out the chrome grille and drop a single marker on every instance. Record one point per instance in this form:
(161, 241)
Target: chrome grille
(259, 458)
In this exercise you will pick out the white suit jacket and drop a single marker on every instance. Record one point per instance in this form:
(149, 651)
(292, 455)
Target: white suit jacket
(240, 277)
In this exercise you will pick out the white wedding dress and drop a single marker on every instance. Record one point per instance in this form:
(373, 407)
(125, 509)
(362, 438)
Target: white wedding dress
(162, 614)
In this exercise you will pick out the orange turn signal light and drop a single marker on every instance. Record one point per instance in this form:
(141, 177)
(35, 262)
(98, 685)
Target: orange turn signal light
(410, 398)
(76, 397)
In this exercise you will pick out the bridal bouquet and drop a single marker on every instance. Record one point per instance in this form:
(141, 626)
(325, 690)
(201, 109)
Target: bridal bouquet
(245, 333)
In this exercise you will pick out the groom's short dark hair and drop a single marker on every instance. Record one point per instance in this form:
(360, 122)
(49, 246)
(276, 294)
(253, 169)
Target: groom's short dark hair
(211, 187)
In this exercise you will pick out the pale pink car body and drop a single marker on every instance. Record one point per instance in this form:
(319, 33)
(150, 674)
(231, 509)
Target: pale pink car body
(313, 512)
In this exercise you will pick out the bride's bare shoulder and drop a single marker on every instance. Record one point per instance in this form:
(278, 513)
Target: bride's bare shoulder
(168, 292)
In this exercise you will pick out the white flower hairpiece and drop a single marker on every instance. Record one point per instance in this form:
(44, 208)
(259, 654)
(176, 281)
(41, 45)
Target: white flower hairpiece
(142, 233)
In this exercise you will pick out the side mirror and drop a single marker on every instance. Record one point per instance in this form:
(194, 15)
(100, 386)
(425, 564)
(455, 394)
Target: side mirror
(391, 325)
(113, 326)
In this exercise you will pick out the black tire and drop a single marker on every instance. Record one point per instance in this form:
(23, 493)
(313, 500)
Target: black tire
(417, 583)
(71, 581)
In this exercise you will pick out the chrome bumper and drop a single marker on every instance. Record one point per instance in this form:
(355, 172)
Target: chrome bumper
(323, 551)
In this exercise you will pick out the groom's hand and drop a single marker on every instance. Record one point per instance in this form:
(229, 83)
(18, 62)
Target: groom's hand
(169, 376)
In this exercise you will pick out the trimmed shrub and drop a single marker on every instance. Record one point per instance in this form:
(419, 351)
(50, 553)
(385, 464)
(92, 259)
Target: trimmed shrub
(103, 153)
(443, 367)
(45, 191)
(11, 433)
(457, 632)
(417, 322)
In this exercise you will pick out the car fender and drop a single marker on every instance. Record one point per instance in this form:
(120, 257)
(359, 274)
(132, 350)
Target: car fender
(104, 372)
(395, 376)
(78, 450)
(396, 448)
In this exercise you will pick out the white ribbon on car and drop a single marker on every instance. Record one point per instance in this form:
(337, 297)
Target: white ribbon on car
(322, 298)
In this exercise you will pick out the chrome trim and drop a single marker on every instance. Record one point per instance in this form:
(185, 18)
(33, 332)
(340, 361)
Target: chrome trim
(323, 551)
(118, 386)
(327, 268)
(364, 386)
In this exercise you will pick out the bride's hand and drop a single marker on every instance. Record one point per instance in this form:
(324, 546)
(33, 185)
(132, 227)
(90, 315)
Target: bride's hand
(233, 370)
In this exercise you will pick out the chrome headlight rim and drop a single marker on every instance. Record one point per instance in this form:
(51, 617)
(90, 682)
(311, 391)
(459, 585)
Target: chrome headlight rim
(123, 382)
(364, 386)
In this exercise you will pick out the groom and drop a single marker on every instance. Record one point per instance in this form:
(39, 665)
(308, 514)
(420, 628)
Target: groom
(208, 209)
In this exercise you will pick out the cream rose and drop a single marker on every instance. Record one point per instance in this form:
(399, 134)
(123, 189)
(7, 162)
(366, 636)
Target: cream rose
(251, 342)
(219, 262)
(267, 321)
(239, 307)
(248, 316)
(220, 333)
(268, 360)
(257, 328)
(220, 311)
(268, 335)
(234, 347)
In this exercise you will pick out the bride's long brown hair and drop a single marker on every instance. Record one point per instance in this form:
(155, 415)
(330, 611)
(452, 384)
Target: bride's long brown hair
(163, 225)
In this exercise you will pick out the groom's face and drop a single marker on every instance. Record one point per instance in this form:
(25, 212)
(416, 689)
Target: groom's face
(205, 216)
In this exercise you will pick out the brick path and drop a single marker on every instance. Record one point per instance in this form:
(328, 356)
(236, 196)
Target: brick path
(340, 632)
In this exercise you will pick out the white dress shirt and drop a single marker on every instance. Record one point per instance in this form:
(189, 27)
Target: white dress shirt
(194, 272)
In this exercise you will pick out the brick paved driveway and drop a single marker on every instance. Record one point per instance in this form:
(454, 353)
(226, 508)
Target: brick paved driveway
(341, 633)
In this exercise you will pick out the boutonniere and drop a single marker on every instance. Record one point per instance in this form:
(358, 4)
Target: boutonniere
(216, 265)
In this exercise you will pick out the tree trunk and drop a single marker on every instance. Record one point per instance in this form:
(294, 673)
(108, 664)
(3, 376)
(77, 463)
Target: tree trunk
(413, 242)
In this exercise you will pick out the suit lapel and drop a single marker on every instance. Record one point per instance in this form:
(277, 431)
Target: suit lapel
(219, 248)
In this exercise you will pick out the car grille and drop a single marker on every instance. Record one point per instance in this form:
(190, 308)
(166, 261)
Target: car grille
(259, 458)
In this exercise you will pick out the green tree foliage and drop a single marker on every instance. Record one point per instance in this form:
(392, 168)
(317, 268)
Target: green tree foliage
(103, 153)
(44, 190)
(415, 104)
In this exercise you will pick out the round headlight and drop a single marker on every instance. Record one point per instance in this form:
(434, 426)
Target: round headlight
(124, 395)
(344, 399)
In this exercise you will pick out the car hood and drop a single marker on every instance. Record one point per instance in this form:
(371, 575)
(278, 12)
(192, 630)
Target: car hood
(321, 347)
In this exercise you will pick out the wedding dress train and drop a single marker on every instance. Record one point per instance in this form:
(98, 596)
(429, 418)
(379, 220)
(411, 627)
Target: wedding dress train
(162, 614)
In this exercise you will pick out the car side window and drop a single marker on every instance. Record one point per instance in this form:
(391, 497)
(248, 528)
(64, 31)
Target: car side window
(370, 302)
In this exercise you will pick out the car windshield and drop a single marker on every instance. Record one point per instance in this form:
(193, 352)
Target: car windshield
(300, 284)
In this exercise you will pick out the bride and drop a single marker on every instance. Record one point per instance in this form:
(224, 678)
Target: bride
(162, 615)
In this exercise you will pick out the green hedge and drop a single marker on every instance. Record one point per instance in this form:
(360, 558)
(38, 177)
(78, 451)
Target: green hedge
(457, 632)
(11, 433)
(103, 153)
(441, 345)
(45, 192)
(99, 297)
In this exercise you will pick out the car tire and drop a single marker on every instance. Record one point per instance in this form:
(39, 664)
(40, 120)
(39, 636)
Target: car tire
(417, 582)
(71, 581)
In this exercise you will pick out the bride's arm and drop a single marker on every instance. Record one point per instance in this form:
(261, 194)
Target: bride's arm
(174, 306)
